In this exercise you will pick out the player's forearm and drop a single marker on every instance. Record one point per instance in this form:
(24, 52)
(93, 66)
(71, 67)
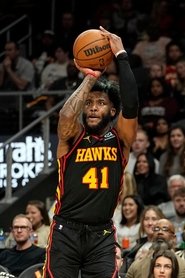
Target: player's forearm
(128, 88)
(75, 102)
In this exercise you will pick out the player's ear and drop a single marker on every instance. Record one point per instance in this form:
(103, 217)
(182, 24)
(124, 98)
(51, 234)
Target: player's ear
(113, 111)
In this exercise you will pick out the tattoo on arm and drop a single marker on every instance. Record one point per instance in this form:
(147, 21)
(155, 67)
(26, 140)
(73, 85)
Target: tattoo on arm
(76, 101)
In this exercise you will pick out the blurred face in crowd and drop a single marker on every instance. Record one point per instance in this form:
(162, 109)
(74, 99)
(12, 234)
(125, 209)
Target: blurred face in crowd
(129, 209)
(174, 185)
(179, 204)
(177, 139)
(11, 50)
(156, 71)
(162, 126)
(164, 230)
(60, 55)
(34, 214)
(141, 143)
(119, 259)
(163, 267)
(180, 67)
(149, 221)
(156, 88)
(174, 52)
(142, 166)
(21, 229)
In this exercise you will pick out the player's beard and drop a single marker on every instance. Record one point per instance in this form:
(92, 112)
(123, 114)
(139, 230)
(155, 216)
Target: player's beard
(97, 129)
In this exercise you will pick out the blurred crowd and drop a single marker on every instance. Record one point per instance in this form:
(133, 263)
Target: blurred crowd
(154, 182)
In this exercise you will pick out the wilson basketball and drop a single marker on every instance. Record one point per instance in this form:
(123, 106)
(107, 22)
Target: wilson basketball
(92, 50)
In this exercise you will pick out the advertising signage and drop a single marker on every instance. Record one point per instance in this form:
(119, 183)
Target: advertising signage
(27, 159)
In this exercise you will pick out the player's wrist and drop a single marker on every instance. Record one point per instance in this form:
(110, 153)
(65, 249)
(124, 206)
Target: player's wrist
(91, 73)
(123, 51)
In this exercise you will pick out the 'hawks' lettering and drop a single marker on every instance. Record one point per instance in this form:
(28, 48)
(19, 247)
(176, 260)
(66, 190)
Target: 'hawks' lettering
(96, 154)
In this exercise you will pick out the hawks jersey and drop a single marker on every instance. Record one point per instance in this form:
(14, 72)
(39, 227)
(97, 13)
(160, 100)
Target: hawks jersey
(90, 178)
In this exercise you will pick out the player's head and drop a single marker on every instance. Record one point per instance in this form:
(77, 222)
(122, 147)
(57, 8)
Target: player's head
(102, 105)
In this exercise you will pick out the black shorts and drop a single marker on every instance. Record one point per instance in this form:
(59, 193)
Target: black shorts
(74, 246)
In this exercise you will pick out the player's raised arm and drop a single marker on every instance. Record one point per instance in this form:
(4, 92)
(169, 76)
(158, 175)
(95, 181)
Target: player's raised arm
(127, 124)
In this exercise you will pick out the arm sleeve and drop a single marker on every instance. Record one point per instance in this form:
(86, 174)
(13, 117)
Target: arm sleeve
(128, 88)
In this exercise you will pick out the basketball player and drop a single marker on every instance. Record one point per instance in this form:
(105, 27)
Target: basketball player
(91, 159)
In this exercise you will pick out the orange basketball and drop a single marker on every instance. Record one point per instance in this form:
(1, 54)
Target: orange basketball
(92, 50)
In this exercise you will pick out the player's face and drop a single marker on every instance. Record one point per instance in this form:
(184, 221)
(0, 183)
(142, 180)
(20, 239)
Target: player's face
(97, 112)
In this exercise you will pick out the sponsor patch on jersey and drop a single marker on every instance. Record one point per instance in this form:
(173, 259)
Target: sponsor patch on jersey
(109, 135)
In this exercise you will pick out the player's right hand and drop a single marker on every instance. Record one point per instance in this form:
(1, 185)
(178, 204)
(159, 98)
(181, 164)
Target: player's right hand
(86, 71)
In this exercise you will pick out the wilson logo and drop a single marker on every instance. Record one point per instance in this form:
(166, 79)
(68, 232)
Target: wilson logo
(96, 49)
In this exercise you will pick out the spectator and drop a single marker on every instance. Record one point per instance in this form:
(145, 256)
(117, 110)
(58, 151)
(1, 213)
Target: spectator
(43, 50)
(156, 70)
(128, 22)
(67, 30)
(140, 145)
(174, 51)
(24, 253)
(164, 237)
(151, 187)
(179, 93)
(150, 215)
(172, 160)
(128, 188)
(119, 259)
(56, 69)
(38, 215)
(36, 212)
(128, 228)
(179, 218)
(16, 72)
(175, 182)
(149, 218)
(164, 264)
(152, 48)
(163, 16)
(158, 104)
(70, 82)
(160, 139)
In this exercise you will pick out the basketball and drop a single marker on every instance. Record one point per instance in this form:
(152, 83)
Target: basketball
(92, 50)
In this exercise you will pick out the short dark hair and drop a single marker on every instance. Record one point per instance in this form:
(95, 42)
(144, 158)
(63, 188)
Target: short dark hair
(111, 88)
